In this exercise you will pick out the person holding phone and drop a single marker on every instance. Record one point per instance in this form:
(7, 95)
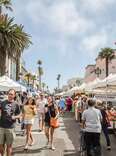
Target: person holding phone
(28, 114)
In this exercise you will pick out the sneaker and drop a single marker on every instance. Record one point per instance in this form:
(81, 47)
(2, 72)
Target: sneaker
(40, 130)
(53, 148)
(31, 144)
(26, 147)
(108, 147)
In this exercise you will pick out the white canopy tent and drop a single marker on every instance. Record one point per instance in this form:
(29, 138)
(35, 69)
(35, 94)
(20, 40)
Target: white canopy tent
(60, 94)
(82, 87)
(6, 83)
(109, 82)
(90, 86)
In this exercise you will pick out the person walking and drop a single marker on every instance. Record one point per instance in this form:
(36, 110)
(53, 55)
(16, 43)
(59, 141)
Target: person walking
(51, 111)
(92, 118)
(69, 103)
(10, 111)
(105, 123)
(41, 102)
(28, 114)
(62, 105)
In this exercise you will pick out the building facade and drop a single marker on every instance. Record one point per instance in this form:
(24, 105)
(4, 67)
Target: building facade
(99, 69)
(11, 66)
(72, 83)
(90, 73)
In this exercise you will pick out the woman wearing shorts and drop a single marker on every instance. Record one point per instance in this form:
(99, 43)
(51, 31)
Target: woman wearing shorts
(51, 110)
(29, 112)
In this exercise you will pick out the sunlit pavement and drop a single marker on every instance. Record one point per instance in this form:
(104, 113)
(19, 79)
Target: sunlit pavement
(66, 141)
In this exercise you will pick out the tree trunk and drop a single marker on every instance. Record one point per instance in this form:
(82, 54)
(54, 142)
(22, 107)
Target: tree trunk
(107, 68)
(0, 10)
(17, 68)
(39, 77)
(58, 84)
(33, 83)
(2, 62)
(28, 81)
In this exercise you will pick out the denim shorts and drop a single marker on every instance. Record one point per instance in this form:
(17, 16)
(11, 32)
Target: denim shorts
(28, 121)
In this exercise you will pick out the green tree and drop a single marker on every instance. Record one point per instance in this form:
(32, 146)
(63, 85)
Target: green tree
(28, 77)
(40, 72)
(58, 79)
(108, 54)
(13, 40)
(33, 79)
(5, 4)
(43, 86)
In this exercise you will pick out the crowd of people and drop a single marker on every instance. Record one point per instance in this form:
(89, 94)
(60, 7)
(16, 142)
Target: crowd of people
(93, 116)
(24, 112)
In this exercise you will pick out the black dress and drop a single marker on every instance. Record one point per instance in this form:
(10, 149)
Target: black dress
(50, 113)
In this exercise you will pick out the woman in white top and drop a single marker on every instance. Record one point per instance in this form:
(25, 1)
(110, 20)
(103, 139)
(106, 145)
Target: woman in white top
(41, 102)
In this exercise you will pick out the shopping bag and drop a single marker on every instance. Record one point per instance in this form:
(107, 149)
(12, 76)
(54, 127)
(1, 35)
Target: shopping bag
(54, 122)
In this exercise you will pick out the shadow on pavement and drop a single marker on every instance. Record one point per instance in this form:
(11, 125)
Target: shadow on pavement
(70, 153)
(73, 131)
(20, 150)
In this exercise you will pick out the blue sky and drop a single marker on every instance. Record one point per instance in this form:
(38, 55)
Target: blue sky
(66, 34)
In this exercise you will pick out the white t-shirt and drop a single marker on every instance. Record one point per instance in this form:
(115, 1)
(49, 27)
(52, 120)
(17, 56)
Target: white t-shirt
(40, 105)
(57, 102)
(92, 118)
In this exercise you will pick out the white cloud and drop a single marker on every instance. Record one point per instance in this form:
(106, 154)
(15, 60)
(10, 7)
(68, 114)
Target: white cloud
(61, 17)
(97, 5)
(92, 44)
(65, 18)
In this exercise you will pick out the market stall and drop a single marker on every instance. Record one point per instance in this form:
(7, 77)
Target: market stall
(6, 83)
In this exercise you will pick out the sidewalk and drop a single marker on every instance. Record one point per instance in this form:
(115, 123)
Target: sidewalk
(66, 141)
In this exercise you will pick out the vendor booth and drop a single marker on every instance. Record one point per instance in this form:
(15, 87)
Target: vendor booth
(6, 83)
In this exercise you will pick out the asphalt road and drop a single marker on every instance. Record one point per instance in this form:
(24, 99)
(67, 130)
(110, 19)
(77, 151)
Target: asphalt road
(66, 140)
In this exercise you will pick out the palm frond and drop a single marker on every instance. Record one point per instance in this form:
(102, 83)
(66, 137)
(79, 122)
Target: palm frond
(107, 53)
(12, 36)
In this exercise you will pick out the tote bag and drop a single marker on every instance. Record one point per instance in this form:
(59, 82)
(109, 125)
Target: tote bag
(54, 122)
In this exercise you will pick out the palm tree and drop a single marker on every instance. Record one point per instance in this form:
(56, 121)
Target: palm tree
(13, 40)
(58, 79)
(28, 77)
(108, 54)
(5, 3)
(40, 72)
(33, 79)
(39, 62)
(43, 85)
